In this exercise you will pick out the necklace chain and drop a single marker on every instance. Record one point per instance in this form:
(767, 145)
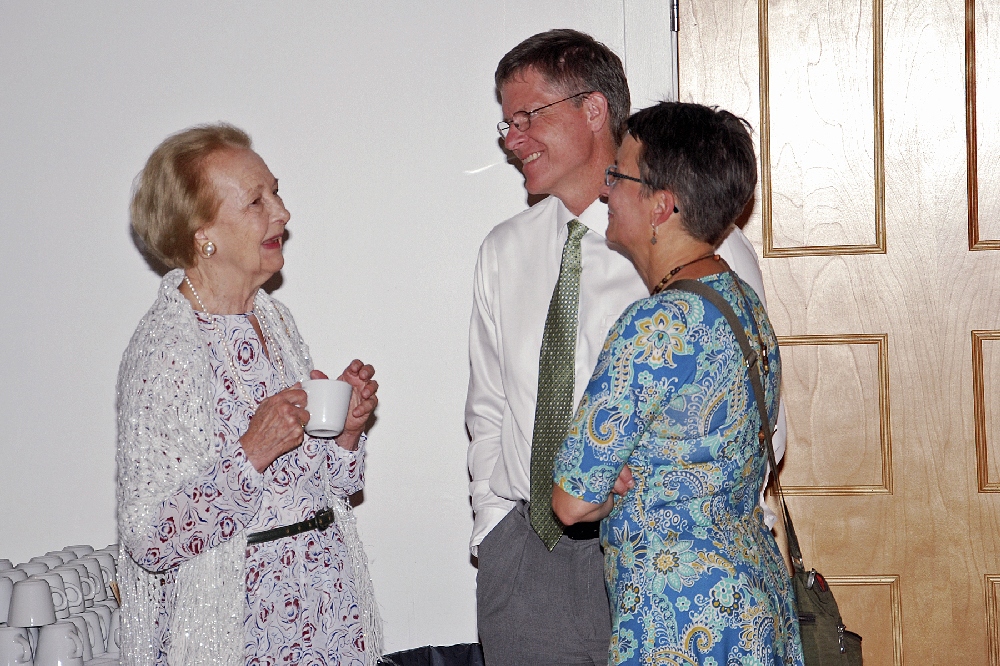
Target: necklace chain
(265, 329)
(666, 278)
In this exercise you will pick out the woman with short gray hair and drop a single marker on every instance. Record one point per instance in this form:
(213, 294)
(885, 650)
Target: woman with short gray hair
(670, 418)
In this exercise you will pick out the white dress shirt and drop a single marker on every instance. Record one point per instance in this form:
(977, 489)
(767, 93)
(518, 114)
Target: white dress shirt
(517, 270)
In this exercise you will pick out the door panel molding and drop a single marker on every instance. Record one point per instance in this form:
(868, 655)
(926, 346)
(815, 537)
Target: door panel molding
(980, 410)
(895, 606)
(973, 137)
(992, 620)
(881, 342)
(879, 244)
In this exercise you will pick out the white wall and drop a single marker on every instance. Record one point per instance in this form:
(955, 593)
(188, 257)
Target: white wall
(378, 117)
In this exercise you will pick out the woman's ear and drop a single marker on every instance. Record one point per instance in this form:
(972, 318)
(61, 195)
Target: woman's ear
(665, 206)
(203, 245)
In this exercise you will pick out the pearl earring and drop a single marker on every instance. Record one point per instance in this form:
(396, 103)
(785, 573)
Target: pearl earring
(208, 249)
(653, 239)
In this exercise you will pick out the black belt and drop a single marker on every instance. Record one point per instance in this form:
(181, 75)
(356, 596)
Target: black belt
(579, 531)
(320, 521)
(583, 531)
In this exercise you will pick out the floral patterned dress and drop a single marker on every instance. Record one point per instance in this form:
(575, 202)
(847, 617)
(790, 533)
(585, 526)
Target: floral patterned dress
(693, 574)
(301, 600)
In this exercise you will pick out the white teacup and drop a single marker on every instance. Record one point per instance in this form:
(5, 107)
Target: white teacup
(80, 550)
(94, 631)
(329, 400)
(31, 604)
(6, 587)
(14, 574)
(60, 644)
(32, 568)
(5, 564)
(86, 582)
(115, 633)
(74, 588)
(83, 630)
(64, 555)
(96, 575)
(104, 612)
(51, 561)
(14, 646)
(58, 588)
(109, 568)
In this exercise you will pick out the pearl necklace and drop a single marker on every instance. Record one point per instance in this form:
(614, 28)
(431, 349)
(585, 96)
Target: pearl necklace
(265, 329)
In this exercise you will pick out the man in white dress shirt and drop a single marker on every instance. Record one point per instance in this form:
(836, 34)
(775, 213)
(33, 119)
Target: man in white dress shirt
(565, 101)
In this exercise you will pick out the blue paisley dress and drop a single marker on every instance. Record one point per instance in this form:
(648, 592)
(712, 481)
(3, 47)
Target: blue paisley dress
(693, 574)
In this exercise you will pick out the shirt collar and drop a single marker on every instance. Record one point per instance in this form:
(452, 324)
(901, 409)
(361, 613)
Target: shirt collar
(594, 218)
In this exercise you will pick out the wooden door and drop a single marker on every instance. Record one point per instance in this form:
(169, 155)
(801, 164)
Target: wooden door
(878, 223)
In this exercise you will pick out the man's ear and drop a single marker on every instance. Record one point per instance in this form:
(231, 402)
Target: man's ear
(596, 106)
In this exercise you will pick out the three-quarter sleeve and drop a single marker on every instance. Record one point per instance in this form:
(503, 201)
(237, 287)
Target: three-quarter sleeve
(647, 356)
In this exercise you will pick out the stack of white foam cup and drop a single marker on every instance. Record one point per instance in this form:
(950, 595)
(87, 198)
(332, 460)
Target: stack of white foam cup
(59, 609)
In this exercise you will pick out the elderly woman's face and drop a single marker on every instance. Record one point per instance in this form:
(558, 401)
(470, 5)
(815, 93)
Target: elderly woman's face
(629, 212)
(249, 227)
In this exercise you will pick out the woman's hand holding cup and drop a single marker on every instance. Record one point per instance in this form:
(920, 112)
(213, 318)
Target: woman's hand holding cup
(278, 424)
(363, 402)
(276, 427)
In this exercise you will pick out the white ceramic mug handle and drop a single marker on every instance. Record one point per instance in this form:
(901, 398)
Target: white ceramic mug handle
(87, 582)
(77, 644)
(26, 647)
(73, 595)
(58, 599)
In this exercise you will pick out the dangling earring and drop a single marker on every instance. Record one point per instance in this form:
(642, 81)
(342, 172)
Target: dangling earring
(208, 249)
(653, 239)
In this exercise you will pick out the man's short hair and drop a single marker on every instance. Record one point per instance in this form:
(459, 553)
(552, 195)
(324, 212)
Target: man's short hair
(704, 156)
(572, 62)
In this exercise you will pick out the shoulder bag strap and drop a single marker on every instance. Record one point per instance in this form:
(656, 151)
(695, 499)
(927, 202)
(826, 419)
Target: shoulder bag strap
(751, 361)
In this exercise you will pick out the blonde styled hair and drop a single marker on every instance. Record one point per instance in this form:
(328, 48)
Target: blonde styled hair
(173, 196)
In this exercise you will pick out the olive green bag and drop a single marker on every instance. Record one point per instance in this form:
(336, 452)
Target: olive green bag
(825, 639)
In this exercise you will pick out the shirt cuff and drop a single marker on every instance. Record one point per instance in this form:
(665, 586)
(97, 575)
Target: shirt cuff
(486, 519)
(341, 452)
(235, 461)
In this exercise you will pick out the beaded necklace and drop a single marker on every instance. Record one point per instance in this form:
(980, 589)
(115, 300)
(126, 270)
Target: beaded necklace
(765, 366)
(666, 278)
(229, 357)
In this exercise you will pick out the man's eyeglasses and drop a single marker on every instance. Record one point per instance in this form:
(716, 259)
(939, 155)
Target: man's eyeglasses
(522, 119)
(611, 174)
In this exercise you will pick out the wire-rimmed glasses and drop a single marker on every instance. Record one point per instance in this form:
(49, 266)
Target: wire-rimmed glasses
(521, 120)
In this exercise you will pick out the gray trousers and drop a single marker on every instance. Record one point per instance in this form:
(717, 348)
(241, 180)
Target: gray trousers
(541, 608)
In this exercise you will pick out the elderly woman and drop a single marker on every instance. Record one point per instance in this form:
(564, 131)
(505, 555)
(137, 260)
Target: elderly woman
(694, 575)
(238, 545)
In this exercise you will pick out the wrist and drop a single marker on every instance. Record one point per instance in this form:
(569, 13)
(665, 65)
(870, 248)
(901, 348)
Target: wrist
(349, 439)
(254, 457)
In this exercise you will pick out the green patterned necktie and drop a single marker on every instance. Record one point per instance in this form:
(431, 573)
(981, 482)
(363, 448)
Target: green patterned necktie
(554, 406)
